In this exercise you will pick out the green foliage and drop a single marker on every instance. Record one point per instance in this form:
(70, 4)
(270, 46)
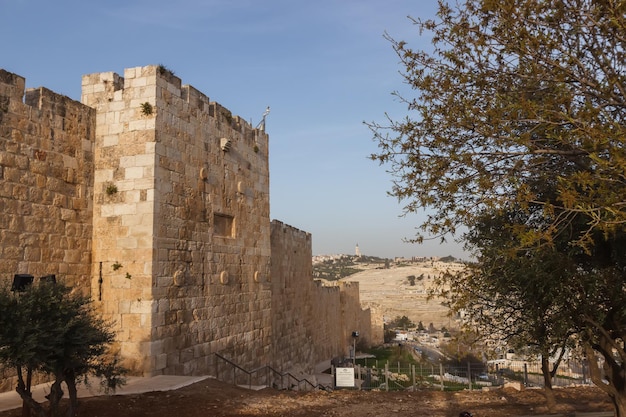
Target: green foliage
(523, 297)
(388, 334)
(513, 93)
(461, 361)
(346, 265)
(390, 355)
(146, 109)
(111, 189)
(400, 323)
(165, 71)
(49, 329)
(448, 259)
(517, 133)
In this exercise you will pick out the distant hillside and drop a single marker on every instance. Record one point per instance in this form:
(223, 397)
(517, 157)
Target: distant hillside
(335, 267)
(396, 288)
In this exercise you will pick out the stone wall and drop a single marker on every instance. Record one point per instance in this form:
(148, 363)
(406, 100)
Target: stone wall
(46, 172)
(155, 201)
(312, 321)
(46, 177)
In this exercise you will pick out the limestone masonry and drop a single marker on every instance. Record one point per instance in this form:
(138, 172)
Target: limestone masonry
(154, 201)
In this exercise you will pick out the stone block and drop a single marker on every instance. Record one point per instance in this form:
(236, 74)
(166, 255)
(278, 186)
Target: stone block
(134, 172)
(161, 361)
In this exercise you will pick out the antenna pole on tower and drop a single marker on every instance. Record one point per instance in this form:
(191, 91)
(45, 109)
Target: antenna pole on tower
(261, 125)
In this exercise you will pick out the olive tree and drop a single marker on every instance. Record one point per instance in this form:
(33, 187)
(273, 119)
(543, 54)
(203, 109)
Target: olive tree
(46, 328)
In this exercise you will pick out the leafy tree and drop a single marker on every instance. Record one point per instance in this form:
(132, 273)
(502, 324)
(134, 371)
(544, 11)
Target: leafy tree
(599, 309)
(401, 323)
(520, 118)
(448, 258)
(49, 329)
(511, 90)
(388, 335)
(523, 301)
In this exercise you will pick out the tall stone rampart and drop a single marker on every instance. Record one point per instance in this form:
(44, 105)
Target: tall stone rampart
(312, 321)
(46, 176)
(155, 201)
(46, 172)
(355, 318)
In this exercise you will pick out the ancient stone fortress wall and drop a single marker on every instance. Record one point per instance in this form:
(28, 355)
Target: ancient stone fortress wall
(312, 320)
(46, 193)
(156, 202)
(46, 176)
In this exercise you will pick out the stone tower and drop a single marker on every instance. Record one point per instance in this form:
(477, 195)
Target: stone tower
(181, 245)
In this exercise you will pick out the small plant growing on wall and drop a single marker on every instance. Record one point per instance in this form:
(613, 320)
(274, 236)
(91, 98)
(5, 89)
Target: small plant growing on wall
(164, 70)
(111, 189)
(128, 276)
(116, 266)
(256, 148)
(146, 109)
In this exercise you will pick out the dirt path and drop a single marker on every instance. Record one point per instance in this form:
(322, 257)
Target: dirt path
(210, 398)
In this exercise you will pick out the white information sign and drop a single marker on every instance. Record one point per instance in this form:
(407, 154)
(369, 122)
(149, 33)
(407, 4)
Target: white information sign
(344, 377)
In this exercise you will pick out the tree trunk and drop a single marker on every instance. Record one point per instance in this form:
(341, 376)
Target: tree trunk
(23, 388)
(54, 398)
(70, 380)
(29, 382)
(619, 403)
(616, 386)
(547, 383)
(30, 402)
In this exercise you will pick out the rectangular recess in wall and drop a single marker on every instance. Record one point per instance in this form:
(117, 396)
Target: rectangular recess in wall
(223, 225)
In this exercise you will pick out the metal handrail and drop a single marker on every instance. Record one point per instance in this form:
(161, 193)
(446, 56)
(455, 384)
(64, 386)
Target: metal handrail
(266, 368)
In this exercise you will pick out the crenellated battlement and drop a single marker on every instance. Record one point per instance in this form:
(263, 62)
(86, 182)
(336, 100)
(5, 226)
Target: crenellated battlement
(102, 87)
(11, 87)
(40, 103)
(46, 172)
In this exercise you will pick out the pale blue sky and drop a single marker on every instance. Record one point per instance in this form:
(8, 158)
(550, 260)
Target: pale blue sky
(323, 67)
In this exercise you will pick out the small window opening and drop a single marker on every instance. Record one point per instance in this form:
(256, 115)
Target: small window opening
(223, 225)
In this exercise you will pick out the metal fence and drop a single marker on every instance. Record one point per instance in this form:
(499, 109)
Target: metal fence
(469, 376)
(403, 376)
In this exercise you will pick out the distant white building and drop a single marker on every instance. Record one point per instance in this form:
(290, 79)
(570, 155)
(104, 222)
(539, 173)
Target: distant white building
(357, 251)
(401, 336)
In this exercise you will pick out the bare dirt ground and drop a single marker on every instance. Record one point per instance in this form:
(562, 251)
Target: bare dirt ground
(211, 398)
